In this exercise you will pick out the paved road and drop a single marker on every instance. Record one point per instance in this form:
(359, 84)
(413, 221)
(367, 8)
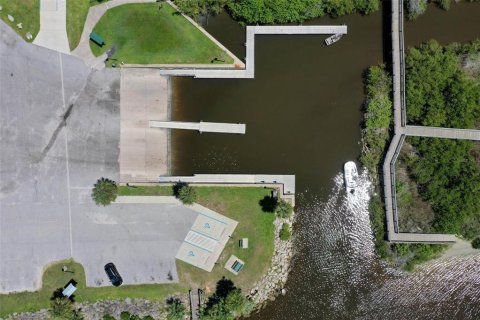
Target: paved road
(58, 135)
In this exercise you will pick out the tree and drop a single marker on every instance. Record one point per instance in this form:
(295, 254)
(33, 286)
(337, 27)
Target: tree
(187, 194)
(237, 304)
(284, 209)
(285, 232)
(104, 191)
(227, 303)
(175, 309)
(277, 11)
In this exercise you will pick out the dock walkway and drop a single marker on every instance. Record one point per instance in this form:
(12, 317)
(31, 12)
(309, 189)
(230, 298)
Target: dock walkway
(249, 71)
(401, 130)
(201, 126)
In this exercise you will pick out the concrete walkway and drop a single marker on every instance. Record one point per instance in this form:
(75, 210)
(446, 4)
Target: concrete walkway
(249, 71)
(94, 14)
(53, 26)
(288, 181)
(201, 126)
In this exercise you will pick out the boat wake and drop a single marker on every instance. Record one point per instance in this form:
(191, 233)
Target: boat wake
(336, 269)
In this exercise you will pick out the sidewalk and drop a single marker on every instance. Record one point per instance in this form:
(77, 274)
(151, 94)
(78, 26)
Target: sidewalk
(53, 26)
(83, 51)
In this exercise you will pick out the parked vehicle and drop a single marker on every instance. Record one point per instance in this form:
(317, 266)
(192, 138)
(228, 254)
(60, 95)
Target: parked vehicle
(113, 274)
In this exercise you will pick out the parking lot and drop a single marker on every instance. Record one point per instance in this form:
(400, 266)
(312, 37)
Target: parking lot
(60, 132)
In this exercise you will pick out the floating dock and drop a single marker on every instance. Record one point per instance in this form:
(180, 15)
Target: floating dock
(201, 126)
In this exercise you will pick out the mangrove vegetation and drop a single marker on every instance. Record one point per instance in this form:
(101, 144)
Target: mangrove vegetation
(277, 11)
(441, 175)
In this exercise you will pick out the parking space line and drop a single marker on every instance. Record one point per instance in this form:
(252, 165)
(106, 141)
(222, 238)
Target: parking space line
(67, 161)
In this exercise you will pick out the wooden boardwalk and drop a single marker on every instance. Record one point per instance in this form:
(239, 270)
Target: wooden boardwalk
(450, 133)
(249, 71)
(401, 130)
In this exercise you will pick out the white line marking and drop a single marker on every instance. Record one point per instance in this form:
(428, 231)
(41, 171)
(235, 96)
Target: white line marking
(67, 161)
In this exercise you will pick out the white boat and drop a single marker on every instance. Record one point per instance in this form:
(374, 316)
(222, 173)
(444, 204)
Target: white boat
(332, 39)
(351, 176)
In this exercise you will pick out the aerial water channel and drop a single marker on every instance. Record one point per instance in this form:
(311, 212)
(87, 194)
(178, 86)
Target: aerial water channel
(303, 116)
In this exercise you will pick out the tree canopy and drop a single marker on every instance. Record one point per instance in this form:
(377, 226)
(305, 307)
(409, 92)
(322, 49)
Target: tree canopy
(377, 118)
(440, 94)
(104, 191)
(278, 11)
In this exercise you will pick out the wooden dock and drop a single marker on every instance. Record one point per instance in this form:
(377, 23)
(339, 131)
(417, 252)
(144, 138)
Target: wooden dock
(201, 126)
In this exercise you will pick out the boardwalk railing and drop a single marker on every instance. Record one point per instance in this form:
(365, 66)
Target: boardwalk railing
(393, 182)
(402, 63)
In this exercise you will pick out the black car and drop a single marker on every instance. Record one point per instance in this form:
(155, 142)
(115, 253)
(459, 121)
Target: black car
(113, 274)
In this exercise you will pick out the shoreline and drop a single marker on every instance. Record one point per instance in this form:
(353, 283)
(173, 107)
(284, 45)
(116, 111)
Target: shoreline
(271, 285)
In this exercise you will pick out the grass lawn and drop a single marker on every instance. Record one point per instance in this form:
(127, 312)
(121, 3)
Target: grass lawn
(154, 33)
(145, 191)
(241, 204)
(55, 278)
(77, 11)
(25, 11)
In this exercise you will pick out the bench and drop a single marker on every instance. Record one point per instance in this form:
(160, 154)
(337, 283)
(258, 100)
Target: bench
(97, 39)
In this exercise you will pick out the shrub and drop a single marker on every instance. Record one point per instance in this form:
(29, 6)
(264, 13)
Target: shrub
(104, 191)
(108, 317)
(402, 249)
(476, 243)
(415, 8)
(283, 209)
(62, 308)
(187, 194)
(175, 309)
(124, 316)
(285, 232)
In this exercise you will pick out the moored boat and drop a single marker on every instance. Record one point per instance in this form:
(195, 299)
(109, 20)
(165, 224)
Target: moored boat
(351, 176)
(332, 39)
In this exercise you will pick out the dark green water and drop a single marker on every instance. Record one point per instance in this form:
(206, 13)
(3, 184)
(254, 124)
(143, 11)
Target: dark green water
(303, 115)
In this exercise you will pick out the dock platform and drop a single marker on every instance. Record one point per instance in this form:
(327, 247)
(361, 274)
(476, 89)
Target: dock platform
(201, 126)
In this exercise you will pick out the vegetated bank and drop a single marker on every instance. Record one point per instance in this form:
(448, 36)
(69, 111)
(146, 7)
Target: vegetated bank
(416, 8)
(277, 11)
(265, 271)
(154, 33)
(442, 86)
